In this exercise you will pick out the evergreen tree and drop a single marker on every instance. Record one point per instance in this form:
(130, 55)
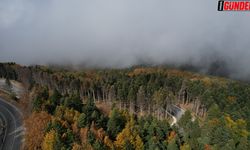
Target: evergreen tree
(91, 137)
(185, 119)
(89, 108)
(115, 124)
(82, 121)
(214, 112)
(98, 145)
(37, 104)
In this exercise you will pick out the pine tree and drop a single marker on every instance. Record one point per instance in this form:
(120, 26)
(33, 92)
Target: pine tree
(115, 124)
(185, 119)
(214, 112)
(82, 121)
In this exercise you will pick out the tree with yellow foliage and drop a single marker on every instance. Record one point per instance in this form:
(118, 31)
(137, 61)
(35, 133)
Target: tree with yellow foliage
(129, 134)
(49, 141)
(108, 142)
(52, 141)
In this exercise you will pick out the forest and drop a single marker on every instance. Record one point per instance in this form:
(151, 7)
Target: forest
(126, 109)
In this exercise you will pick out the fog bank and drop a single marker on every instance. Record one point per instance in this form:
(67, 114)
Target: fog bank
(122, 33)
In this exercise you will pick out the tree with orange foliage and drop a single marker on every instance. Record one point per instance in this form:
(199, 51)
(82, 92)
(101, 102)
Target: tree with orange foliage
(35, 126)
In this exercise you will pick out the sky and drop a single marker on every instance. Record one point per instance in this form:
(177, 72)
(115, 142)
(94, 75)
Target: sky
(122, 33)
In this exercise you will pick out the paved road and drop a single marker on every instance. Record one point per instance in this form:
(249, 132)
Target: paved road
(14, 129)
(176, 113)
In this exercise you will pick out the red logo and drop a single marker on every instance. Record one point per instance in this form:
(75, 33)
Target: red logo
(233, 5)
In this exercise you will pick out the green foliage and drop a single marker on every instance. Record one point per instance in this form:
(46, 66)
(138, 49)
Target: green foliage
(172, 145)
(185, 119)
(82, 121)
(41, 97)
(91, 137)
(128, 145)
(7, 70)
(93, 114)
(132, 94)
(89, 107)
(64, 137)
(37, 103)
(98, 145)
(153, 132)
(68, 138)
(214, 112)
(222, 113)
(74, 101)
(116, 123)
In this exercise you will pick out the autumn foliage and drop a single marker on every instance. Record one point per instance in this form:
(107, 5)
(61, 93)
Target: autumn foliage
(35, 125)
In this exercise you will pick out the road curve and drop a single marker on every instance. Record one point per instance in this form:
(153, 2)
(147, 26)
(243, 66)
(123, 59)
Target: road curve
(176, 113)
(14, 129)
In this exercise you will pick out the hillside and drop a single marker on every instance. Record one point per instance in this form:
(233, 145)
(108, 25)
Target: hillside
(132, 108)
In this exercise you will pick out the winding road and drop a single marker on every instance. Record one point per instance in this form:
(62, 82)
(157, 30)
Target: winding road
(12, 136)
(176, 113)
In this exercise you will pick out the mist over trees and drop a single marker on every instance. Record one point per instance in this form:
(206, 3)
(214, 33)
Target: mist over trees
(128, 75)
(139, 99)
(118, 34)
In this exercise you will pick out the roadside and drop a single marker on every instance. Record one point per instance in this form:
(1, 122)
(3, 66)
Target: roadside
(13, 126)
(14, 94)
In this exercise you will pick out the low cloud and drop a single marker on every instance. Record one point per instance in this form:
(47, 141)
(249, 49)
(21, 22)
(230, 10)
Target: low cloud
(122, 33)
